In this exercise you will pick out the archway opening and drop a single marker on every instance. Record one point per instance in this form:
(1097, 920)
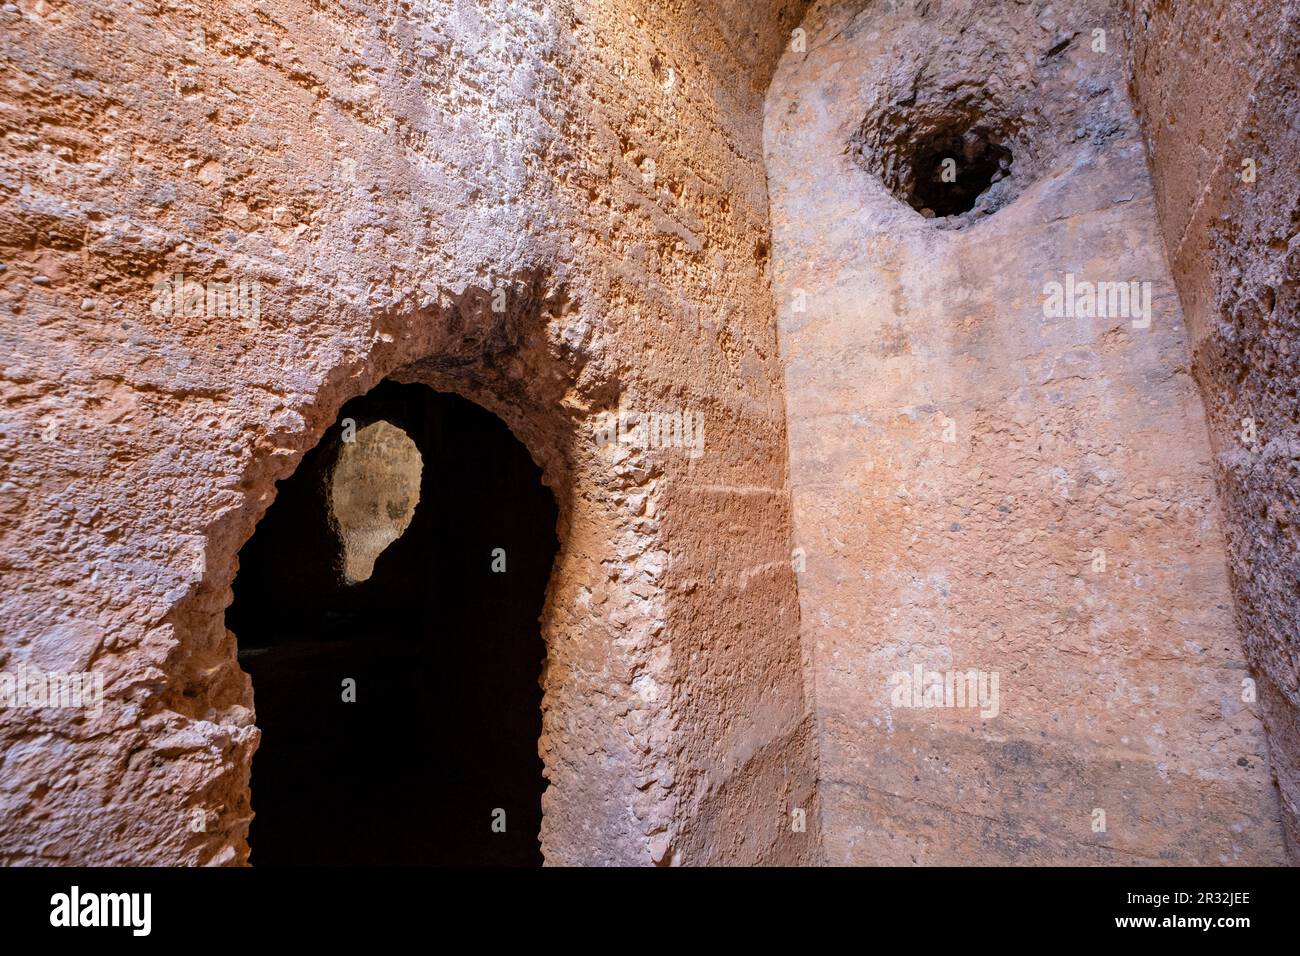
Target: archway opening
(387, 610)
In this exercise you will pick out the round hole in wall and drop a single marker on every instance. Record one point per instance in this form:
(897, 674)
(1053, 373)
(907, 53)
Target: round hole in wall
(951, 174)
(952, 162)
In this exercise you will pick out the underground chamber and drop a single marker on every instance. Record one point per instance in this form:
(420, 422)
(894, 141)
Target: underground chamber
(387, 610)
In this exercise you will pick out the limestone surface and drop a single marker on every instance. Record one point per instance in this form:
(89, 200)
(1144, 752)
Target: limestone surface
(983, 548)
(555, 209)
(988, 484)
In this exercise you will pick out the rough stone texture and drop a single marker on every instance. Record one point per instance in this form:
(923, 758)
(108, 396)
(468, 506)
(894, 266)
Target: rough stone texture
(380, 169)
(558, 208)
(374, 488)
(1121, 689)
(1216, 84)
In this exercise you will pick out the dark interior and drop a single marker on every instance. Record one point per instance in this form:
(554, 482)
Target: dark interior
(445, 652)
(979, 163)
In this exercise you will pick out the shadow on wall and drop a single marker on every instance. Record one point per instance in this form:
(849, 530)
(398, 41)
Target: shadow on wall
(400, 713)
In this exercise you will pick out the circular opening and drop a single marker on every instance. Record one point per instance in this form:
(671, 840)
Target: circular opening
(952, 163)
(952, 174)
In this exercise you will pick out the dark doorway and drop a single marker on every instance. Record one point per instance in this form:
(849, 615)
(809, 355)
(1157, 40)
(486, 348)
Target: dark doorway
(444, 648)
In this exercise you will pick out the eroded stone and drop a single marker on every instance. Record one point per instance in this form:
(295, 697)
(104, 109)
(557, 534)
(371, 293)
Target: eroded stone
(374, 489)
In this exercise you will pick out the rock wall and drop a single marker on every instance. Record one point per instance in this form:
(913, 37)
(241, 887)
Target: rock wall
(1216, 86)
(561, 210)
(554, 209)
(984, 481)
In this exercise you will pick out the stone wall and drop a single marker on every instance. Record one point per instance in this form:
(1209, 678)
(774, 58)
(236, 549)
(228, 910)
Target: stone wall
(1216, 86)
(560, 208)
(981, 485)
(380, 170)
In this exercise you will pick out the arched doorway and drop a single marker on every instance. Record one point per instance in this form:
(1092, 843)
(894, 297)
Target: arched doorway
(399, 703)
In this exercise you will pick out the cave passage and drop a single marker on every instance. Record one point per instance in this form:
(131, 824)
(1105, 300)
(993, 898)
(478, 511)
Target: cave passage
(440, 742)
